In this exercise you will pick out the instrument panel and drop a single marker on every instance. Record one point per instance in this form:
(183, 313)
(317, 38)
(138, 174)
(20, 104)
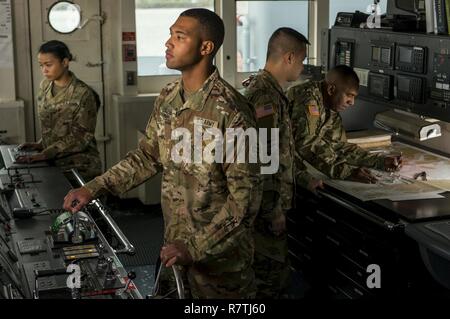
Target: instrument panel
(46, 252)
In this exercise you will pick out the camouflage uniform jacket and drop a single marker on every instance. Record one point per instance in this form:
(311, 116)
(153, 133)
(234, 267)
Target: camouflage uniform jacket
(271, 109)
(210, 207)
(68, 122)
(320, 136)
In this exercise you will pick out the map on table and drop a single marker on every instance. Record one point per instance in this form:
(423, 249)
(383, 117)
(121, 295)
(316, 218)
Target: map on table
(400, 185)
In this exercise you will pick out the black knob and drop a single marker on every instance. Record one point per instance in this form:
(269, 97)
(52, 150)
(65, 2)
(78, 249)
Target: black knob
(131, 275)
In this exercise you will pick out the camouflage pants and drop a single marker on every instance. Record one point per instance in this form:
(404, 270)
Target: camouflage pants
(200, 285)
(272, 277)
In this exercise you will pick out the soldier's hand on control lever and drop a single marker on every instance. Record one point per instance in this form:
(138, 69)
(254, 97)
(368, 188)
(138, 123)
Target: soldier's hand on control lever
(76, 199)
(362, 175)
(175, 253)
(393, 163)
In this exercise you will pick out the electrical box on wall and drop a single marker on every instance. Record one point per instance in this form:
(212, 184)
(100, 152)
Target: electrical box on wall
(344, 52)
(129, 63)
(131, 78)
(129, 53)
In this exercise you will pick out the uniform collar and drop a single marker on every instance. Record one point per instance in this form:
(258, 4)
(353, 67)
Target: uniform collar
(322, 100)
(273, 82)
(68, 90)
(197, 100)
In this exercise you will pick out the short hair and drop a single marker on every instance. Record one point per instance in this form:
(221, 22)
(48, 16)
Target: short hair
(285, 40)
(57, 48)
(212, 26)
(343, 75)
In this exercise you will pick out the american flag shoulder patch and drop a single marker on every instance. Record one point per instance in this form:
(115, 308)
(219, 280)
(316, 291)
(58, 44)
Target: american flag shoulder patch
(313, 110)
(264, 111)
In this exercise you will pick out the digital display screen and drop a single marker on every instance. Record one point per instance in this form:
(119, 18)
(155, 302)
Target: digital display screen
(375, 54)
(405, 54)
(403, 84)
(386, 55)
(376, 86)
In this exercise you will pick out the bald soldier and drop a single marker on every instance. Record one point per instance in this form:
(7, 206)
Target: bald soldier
(209, 207)
(266, 92)
(319, 134)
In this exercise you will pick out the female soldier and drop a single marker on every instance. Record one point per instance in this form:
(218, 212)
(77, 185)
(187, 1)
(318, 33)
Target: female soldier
(67, 110)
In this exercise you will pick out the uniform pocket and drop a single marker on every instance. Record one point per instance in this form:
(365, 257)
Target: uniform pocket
(63, 128)
(203, 192)
(64, 115)
(201, 172)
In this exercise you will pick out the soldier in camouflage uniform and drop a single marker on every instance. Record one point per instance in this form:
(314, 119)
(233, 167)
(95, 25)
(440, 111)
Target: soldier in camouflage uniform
(208, 208)
(319, 134)
(67, 110)
(265, 91)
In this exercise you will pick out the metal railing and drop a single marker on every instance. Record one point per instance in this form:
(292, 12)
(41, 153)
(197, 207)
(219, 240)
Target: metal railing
(128, 248)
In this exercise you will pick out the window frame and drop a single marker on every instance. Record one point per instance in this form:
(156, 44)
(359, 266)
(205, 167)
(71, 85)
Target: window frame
(226, 59)
(239, 77)
(149, 84)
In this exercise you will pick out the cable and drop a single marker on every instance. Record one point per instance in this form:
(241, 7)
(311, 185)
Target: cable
(25, 213)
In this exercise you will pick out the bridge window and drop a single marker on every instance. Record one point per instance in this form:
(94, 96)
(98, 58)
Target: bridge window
(153, 20)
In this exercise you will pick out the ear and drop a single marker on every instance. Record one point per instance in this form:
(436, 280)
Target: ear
(207, 48)
(289, 57)
(331, 89)
(65, 62)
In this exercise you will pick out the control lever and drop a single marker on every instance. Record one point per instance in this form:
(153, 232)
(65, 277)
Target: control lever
(49, 273)
(110, 275)
(76, 237)
(128, 247)
(101, 261)
(131, 276)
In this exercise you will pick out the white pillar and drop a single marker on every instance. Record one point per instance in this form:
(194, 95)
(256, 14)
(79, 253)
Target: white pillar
(7, 78)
